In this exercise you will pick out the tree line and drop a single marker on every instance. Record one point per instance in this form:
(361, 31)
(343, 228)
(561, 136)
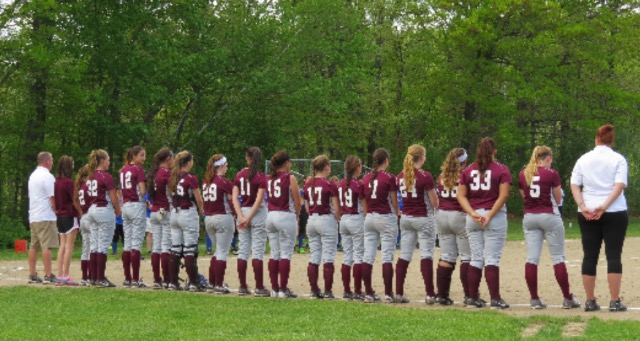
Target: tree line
(338, 77)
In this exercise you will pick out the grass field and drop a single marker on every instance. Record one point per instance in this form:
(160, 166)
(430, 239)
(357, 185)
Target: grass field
(31, 313)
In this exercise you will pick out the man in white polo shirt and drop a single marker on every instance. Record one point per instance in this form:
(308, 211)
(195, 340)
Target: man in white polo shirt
(42, 218)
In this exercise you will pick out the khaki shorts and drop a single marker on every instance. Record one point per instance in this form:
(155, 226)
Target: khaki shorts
(44, 234)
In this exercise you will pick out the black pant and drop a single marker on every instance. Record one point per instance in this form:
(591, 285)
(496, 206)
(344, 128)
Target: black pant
(118, 232)
(612, 228)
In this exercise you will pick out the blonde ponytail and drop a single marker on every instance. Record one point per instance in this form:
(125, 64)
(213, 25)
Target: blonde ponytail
(94, 159)
(539, 153)
(414, 153)
(181, 159)
(451, 168)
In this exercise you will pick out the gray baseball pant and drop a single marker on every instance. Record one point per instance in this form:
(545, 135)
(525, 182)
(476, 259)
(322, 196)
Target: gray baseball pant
(134, 222)
(421, 229)
(220, 228)
(161, 231)
(102, 221)
(541, 226)
(282, 229)
(381, 228)
(487, 244)
(453, 236)
(352, 230)
(85, 232)
(253, 239)
(322, 231)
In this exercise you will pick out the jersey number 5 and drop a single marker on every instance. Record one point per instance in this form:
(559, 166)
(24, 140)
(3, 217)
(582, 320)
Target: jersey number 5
(534, 188)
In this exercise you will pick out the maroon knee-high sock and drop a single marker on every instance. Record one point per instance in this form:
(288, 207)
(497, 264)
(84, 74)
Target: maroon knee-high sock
(164, 262)
(84, 266)
(426, 267)
(327, 271)
(102, 265)
(474, 276)
(173, 264)
(212, 271)
(312, 275)
(492, 275)
(284, 267)
(367, 274)
(387, 278)
(220, 269)
(401, 274)
(258, 272)
(93, 266)
(274, 267)
(357, 278)
(531, 277)
(242, 272)
(135, 265)
(346, 278)
(155, 267)
(191, 266)
(562, 277)
(126, 264)
(443, 280)
(464, 274)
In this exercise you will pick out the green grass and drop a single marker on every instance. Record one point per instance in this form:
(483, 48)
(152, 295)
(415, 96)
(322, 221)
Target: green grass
(112, 314)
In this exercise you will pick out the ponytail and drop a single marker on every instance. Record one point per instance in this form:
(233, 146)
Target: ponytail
(484, 154)
(278, 159)
(317, 165)
(82, 176)
(212, 168)
(539, 153)
(181, 159)
(131, 153)
(94, 159)
(452, 167)
(380, 155)
(414, 153)
(351, 165)
(254, 154)
(161, 156)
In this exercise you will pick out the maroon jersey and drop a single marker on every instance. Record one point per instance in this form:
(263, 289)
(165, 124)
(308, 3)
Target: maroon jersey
(448, 197)
(98, 187)
(131, 176)
(320, 199)
(63, 196)
(216, 196)
(350, 196)
(415, 202)
(161, 196)
(279, 193)
(483, 191)
(83, 198)
(248, 189)
(378, 194)
(187, 182)
(538, 197)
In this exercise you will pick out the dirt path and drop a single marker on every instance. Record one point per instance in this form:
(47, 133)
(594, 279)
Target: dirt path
(513, 286)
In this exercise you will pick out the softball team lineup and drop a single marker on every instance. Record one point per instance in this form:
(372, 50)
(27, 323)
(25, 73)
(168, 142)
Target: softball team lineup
(464, 206)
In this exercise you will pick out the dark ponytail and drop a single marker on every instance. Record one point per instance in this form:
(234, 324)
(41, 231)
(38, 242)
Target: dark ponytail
(380, 155)
(279, 159)
(484, 154)
(161, 156)
(351, 165)
(254, 154)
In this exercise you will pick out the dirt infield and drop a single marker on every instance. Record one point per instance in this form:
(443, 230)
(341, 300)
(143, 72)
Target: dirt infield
(513, 286)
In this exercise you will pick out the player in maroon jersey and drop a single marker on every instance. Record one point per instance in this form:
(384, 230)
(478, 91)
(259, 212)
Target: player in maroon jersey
(185, 227)
(101, 215)
(85, 230)
(321, 197)
(380, 224)
(219, 223)
(249, 186)
(450, 222)
(540, 188)
(158, 187)
(353, 207)
(66, 211)
(134, 214)
(416, 188)
(284, 208)
(482, 193)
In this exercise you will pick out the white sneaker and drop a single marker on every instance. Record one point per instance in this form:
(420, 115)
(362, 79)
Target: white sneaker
(430, 300)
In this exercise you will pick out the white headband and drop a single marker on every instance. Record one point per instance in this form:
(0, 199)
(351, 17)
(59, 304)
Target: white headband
(220, 162)
(462, 158)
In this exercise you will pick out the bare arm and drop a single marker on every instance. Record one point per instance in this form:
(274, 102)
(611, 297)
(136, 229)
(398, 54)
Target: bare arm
(295, 192)
(577, 196)
(52, 203)
(255, 207)
(143, 188)
(433, 198)
(522, 193)
(199, 201)
(394, 202)
(497, 206)
(236, 202)
(336, 208)
(466, 206)
(618, 187)
(363, 202)
(557, 194)
(115, 202)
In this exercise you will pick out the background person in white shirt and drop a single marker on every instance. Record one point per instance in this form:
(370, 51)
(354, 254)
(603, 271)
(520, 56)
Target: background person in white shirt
(597, 184)
(42, 218)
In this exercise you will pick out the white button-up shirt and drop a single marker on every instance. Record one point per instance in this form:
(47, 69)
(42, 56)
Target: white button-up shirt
(41, 183)
(597, 172)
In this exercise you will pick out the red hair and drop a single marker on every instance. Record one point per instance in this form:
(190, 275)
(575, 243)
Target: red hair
(605, 134)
